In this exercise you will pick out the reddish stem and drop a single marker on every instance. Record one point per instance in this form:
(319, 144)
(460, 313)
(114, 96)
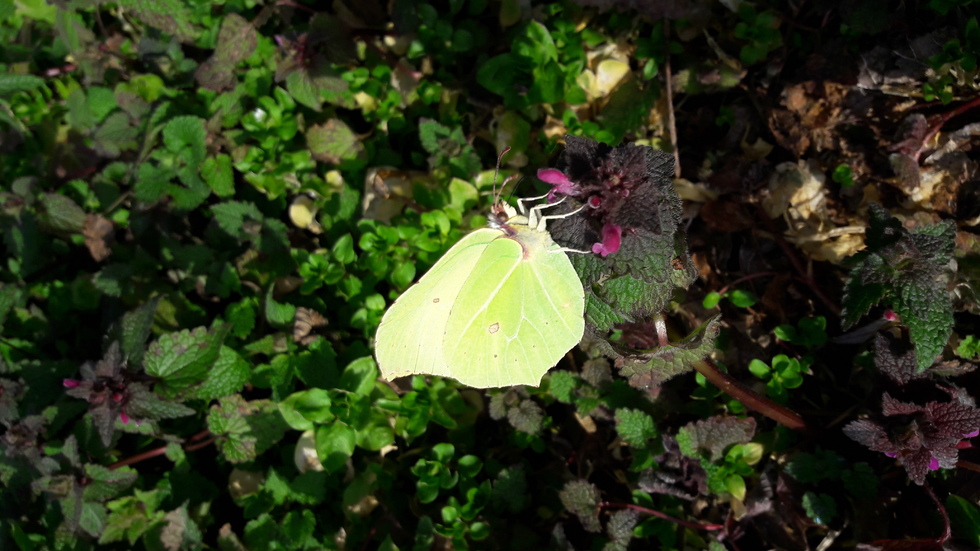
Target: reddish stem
(968, 465)
(743, 279)
(658, 514)
(941, 120)
(149, 454)
(752, 400)
(947, 531)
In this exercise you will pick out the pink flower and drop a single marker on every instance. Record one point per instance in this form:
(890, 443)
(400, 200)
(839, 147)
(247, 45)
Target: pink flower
(559, 183)
(612, 236)
(70, 383)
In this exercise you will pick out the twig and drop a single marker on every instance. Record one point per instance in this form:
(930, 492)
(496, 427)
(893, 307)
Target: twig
(149, 454)
(658, 514)
(947, 531)
(752, 400)
(672, 123)
(943, 119)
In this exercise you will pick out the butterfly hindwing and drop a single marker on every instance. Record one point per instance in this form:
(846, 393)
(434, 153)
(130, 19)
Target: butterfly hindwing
(410, 337)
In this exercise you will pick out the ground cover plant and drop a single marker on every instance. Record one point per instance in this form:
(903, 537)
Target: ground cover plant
(207, 207)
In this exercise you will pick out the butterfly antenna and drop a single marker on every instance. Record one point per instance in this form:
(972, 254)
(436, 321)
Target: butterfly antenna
(496, 171)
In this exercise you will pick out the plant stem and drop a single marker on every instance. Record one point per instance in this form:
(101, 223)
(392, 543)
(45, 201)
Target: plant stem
(752, 400)
(658, 514)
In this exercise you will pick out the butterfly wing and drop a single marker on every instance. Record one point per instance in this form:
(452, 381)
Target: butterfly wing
(411, 335)
(517, 314)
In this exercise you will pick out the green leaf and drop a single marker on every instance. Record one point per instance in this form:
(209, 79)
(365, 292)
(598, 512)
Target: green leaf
(170, 16)
(247, 428)
(909, 270)
(713, 435)
(298, 528)
(814, 467)
(228, 375)
(101, 102)
(278, 314)
(218, 175)
(759, 369)
(184, 358)
(334, 445)
(10, 83)
(582, 499)
(186, 136)
(334, 142)
(59, 213)
(133, 329)
(671, 360)
(819, 507)
(635, 427)
(359, 376)
(965, 519)
(861, 481)
(306, 408)
(711, 299)
(742, 299)
(301, 87)
(146, 405)
(105, 484)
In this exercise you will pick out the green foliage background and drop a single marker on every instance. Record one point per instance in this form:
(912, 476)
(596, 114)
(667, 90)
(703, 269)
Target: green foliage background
(206, 208)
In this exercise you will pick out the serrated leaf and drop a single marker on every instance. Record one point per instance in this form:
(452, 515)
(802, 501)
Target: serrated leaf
(248, 428)
(228, 375)
(561, 385)
(106, 483)
(924, 306)
(115, 135)
(861, 481)
(819, 507)
(581, 498)
(186, 136)
(146, 405)
(635, 427)
(218, 175)
(297, 528)
(92, 518)
(170, 16)
(183, 358)
(300, 86)
(510, 489)
(334, 142)
(101, 102)
(527, 416)
(814, 467)
(713, 435)
(10, 83)
(236, 41)
(236, 218)
(674, 359)
(133, 329)
(907, 270)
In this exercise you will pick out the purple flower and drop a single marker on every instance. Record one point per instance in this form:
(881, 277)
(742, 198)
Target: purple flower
(612, 236)
(559, 183)
(923, 438)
